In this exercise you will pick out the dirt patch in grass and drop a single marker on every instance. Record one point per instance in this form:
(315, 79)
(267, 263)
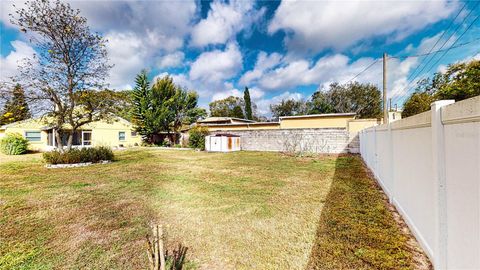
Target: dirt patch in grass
(243, 210)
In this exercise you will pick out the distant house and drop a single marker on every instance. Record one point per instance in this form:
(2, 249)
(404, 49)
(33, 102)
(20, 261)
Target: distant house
(329, 120)
(224, 120)
(116, 133)
(347, 121)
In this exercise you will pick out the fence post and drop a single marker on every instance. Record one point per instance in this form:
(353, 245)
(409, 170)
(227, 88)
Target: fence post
(438, 152)
(391, 162)
(375, 155)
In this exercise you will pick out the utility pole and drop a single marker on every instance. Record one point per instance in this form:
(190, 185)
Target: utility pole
(385, 112)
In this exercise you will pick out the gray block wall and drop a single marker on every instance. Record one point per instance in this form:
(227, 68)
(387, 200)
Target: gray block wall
(313, 140)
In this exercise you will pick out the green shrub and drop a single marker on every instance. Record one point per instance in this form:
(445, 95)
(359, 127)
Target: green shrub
(90, 154)
(197, 137)
(13, 144)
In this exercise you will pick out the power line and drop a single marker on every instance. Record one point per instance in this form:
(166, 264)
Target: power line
(445, 51)
(395, 99)
(361, 72)
(440, 38)
(444, 43)
(437, 51)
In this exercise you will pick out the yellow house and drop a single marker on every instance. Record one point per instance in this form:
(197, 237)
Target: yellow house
(115, 133)
(327, 120)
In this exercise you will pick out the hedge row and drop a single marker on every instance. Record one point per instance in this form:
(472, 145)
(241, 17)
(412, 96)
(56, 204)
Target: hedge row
(91, 154)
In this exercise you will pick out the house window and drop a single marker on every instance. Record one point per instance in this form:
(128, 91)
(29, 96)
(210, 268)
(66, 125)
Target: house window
(121, 135)
(133, 133)
(86, 137)
(33, 136)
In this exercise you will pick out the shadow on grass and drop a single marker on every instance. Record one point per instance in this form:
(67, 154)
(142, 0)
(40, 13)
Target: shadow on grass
(176, 259)
(356, 229)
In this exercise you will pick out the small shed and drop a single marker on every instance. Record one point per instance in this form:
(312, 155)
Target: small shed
(222, 143)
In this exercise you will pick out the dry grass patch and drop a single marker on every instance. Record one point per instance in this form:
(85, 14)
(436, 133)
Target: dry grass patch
(243, 210)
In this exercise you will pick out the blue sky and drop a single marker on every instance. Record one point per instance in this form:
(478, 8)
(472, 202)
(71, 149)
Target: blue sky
(278, 49)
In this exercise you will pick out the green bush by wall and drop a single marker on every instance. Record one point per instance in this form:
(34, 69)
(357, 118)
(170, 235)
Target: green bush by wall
(197, 136)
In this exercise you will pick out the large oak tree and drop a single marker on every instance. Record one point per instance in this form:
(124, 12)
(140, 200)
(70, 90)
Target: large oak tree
(69, 65)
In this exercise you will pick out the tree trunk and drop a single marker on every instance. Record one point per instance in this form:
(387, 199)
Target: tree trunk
(174, 137)
(58, 136)
(168, 137)
(70, 140)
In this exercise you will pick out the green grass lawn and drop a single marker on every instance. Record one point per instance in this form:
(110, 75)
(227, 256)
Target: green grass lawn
(242, 210)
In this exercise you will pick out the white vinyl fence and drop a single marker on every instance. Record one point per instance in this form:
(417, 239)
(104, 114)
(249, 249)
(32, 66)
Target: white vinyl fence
(429, 166)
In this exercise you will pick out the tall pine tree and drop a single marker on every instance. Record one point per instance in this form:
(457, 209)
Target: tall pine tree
(248, 104)
(15, 109)
(141, 104)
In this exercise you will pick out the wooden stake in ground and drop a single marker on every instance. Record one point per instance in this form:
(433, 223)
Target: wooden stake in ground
(155, 249)
(161, 248)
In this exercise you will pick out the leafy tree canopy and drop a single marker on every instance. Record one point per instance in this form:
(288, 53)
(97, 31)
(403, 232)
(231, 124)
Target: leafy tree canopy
(288, 107)
(163, 107)
(228, 107)
(418, 102)
(362, 99)
(460, 81)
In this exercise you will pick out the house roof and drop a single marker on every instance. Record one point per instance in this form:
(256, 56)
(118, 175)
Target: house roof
(318, 115)
(16, 123)
(220, 119)
(118, 118)
(248, 124)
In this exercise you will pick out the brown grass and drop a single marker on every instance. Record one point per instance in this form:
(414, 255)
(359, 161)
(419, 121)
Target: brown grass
(243, 210)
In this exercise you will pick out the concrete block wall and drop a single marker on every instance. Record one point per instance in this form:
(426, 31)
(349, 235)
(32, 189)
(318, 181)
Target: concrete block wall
(314, 140)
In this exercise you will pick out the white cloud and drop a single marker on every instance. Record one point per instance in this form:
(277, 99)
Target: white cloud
(141, 34)
(128, 53)
(163, 24)
(255, 93)
(225, 94)
(426, 44)
(224, 21)
(301, 72)
(264, 63)
(216, 66)
(314, 26)
(336, 68)
(171, 60)
(7, 8)
(9, 64)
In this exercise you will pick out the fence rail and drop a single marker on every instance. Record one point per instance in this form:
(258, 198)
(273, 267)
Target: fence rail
(429, 167)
